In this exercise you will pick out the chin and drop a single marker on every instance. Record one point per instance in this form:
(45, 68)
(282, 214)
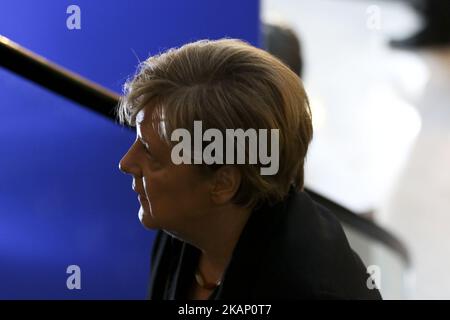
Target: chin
(146, 219)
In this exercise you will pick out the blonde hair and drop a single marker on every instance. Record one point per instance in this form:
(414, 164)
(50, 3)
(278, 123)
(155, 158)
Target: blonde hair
(228, 84)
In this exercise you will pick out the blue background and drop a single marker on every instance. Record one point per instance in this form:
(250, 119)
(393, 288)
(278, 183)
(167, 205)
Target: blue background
(63, 200)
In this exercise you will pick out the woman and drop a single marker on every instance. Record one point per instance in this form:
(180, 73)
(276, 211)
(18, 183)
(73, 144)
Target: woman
(225, 230)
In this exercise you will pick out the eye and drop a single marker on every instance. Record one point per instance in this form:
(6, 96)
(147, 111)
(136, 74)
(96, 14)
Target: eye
(152, 160)
(149, 155)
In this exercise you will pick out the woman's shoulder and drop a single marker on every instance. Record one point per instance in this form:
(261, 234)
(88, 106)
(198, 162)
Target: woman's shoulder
(308, 254)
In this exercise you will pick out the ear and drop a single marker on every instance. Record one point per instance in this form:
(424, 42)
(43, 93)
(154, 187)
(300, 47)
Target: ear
(226, 182)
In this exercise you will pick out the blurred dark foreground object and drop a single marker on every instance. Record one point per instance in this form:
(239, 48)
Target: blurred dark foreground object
(283, 43)
(436, 26)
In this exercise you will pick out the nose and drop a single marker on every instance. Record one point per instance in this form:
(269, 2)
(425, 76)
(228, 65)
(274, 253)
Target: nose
(129, 164)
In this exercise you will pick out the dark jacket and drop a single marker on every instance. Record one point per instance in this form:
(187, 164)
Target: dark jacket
(295, 249)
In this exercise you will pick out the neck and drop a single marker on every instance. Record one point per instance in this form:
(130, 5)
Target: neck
(216, 235)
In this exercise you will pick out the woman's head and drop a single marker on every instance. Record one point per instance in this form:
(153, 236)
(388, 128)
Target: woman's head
(225, 84)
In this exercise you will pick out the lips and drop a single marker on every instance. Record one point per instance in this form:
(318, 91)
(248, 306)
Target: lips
(140, 193)
(137, 191)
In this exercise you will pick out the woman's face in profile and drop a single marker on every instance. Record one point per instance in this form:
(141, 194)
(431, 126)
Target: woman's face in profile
(170, 195)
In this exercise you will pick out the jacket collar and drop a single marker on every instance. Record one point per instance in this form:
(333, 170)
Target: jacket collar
(250, 249)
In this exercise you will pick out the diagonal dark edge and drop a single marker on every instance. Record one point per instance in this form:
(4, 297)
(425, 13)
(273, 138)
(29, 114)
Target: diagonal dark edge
(364, 225)
(57, 79)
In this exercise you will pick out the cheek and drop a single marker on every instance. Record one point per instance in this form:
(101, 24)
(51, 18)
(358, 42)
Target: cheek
(175, 192)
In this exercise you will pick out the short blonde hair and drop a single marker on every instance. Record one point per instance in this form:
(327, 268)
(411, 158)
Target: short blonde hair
(228, 84)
